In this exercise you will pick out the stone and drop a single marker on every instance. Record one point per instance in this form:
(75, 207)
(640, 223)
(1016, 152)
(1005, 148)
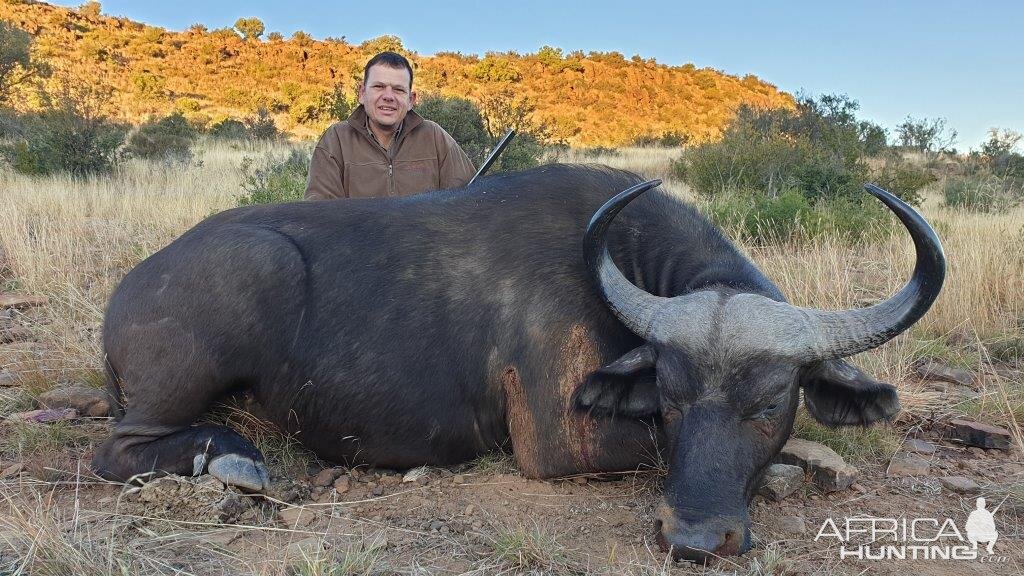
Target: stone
(15, 334)
(979, 434)
(305, 549)
(459, 479)
(89, 401)
(19, 301)
(792, 524)
(43, 416)
(581, 480)
(919, 446)
(324, 478)
(907, 465)
(469, 510)
(416, 474)
(8, 379)
(960, 484)
(932, 370)
(223, 537)
(296, 517)
(12, 470)
(436, 525)
(342, 484)
(828, 470)
(377, 490)
(781, 480)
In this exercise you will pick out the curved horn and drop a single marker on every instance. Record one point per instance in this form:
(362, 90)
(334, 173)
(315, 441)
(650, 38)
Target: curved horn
(633, 306)
(850, 332)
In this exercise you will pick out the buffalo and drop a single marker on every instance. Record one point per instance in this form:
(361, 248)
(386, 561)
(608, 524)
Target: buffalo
(560, 312)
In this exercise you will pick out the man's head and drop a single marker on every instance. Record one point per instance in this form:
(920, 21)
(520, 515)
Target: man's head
(386, 93)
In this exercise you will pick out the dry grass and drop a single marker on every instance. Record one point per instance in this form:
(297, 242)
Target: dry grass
(647, 162)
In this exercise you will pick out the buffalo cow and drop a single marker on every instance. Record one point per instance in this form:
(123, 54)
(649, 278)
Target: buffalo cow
(435, 328)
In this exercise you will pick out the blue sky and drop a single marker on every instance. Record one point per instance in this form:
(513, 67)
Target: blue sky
(963, 61)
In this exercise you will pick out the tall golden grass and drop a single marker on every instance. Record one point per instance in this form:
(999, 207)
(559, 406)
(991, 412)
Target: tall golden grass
(72, 240)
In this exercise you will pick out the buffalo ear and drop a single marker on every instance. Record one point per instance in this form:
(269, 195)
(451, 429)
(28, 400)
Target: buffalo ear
(836, 393)
(626, 387)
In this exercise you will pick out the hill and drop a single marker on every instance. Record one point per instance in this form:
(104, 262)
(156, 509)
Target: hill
(592, 99)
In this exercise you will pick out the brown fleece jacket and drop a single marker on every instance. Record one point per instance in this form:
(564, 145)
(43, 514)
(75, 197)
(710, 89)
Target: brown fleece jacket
(348, 162)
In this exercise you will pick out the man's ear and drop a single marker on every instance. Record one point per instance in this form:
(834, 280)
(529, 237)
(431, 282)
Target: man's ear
(626, 387)
(836, 393)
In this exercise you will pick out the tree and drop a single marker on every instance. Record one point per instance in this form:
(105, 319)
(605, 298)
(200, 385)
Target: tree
(90, 9)
(16, 63)
(250, 28)
(926, 135)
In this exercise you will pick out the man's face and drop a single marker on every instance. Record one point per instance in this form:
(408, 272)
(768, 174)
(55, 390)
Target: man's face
(387, 96)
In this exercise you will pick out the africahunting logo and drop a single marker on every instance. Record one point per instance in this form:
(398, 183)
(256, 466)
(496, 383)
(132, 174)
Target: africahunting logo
(871, 538)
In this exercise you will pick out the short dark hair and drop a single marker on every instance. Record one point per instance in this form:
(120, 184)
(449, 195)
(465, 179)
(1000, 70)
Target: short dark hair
(391, 60)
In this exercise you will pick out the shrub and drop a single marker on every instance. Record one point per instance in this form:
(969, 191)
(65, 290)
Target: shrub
(277, 180)
(767, 160)
(791, 216)
(460, 118)
(168, 138)
(666, 140)
(904, 180)
(982, 192)
(229, 129)
(71, 137)
(261, 126)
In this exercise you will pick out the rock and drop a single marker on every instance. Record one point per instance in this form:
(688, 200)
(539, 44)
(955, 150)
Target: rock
(43, 416)
(907, 465)
(469, 510)
(919, 446)
(859, 488)
(960, 484)
(15, 334)
(12, 470)
(792, 524)
(296, 517)
(581, 480)
(342, 484)
(390, 480)
(86, 400)
(223, 537)
(459, 479)
(305, 549)
(18, 301)
(781, 480)
(377, 490)
(324, 478)
(828, 470)
(416, 474)
(436, 525)
(979, 434)
(932, 370)
(7, 379)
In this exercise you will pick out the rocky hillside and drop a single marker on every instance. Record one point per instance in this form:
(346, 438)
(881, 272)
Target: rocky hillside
(585, 99)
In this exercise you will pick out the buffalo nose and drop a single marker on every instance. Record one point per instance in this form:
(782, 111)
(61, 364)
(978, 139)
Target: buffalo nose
(702, 541)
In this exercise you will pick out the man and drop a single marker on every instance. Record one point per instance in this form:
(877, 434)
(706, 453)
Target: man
(385, 148)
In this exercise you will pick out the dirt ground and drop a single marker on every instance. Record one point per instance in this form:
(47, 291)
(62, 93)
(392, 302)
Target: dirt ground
(479, 518)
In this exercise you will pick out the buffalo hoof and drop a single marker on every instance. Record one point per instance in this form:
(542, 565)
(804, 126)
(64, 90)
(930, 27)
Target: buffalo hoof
(235, 470)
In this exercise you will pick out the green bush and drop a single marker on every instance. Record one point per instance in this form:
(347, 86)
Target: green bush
(982, 192)
(525, 151)
(169, 138)
(229, 129)
(460, 118)
(791, 216)
(68, 138)
(904, 180)
(789, 174)
(261, 126)
(277, 180)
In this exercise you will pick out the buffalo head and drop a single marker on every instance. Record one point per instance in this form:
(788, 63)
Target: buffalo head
(723, 370)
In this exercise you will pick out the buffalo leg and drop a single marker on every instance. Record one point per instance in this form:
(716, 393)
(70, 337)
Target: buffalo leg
(192, 451)
(165, 388)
